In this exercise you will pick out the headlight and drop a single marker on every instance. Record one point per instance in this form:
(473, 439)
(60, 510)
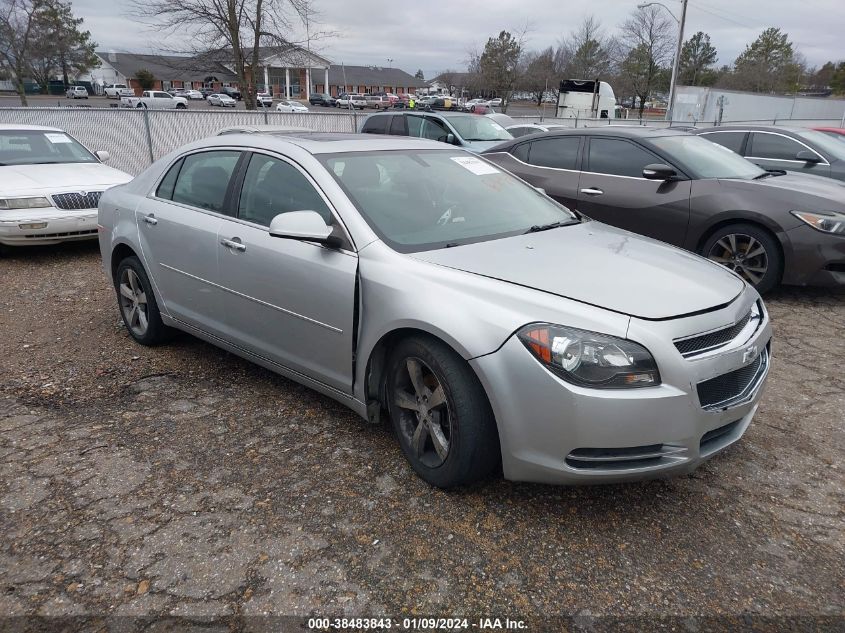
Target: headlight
(589, 359)
(825, 221)
(24, 203)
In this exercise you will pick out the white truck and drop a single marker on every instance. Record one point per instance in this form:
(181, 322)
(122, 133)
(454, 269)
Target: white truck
(586, 99)
(116, 91)
(155, 100)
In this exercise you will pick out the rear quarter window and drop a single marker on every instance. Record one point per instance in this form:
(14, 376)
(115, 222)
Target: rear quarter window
(376, 125)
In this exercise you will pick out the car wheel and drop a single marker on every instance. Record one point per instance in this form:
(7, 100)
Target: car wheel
(750, 251)
(138, 305)
(440, 414)
(181, 106)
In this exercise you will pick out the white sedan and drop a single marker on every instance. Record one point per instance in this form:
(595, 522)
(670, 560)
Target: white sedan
(222, 100)
(194, 95)
(49, 186)
(290, 106)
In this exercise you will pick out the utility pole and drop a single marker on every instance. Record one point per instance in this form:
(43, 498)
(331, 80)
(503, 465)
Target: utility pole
(673, 88)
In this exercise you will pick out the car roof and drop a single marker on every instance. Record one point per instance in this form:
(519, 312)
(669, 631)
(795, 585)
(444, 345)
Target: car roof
(754, 128)
(323, 142)
(20, 127)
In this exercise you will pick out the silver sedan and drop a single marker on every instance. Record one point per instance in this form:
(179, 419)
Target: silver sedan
(421, 284)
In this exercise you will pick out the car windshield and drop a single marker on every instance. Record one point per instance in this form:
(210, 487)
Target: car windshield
(478, 128)
(37, 147)
(706, 159)
(825, 143)
(423, 200)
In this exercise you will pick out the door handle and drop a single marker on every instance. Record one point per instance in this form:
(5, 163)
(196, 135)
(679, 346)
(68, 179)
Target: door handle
(150, 219)
(237, 245)
(592, 191)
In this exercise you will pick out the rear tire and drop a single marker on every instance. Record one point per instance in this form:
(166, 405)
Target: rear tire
(440, 414)
(750, 251)
(137, 303)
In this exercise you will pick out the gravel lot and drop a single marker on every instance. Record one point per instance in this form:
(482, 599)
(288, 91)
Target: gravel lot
(184, 481)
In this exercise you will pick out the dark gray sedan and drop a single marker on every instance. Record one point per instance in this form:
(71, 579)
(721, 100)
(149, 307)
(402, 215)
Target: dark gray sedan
(768, 227)
(787, 148)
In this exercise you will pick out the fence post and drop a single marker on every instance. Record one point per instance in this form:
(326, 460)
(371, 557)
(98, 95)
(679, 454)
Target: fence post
(149, 134)
(266, 109)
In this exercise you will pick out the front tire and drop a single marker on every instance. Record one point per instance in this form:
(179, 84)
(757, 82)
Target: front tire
(137, 302)
(440, 414)
(750, 251)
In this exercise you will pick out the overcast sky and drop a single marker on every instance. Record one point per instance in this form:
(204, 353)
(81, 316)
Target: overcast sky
(436, 35)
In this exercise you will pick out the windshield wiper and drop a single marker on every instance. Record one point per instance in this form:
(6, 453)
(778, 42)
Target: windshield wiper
(552, 225)
(771, 172)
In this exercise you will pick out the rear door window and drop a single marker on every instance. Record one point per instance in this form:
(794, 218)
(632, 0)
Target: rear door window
(376, 125)
(559, 153)
(397, 125)
(732, 140)
(414, 125)
(204, 179)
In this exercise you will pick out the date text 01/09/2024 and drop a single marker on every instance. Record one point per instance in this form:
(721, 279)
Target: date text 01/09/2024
(414, 624)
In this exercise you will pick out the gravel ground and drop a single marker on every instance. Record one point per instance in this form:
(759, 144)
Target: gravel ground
(183, 481)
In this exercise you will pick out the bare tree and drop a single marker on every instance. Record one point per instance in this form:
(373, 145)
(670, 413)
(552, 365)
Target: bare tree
(587, 52)
(647, 41)
(234, 32)
(18, 21)
(540, 74)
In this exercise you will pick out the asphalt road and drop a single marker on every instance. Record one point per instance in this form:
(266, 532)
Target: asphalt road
(184, 481)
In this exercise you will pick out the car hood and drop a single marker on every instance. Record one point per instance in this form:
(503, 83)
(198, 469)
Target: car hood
(20, 179)
(799, 183)
(602, 266)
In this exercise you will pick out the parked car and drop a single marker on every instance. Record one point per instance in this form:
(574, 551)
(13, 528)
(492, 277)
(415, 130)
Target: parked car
(155, 99)
(116, 91)
(262, 129)
(287, 105)
(378, 102)
(49, 186)
(324, 100)
(474, 133)
(769, 228)
(77, 92)
(353, 101)
(264, 99)
(194, 95)
(460, 320)
(836, 132)
(524, 129)
(222, 100)
(473, 103)
(207, 92)
(779, 147)
(234, 93)
(496, 103)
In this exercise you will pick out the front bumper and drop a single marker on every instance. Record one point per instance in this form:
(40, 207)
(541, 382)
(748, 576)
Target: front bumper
(815, 258)
(46, 226)
(555, 432)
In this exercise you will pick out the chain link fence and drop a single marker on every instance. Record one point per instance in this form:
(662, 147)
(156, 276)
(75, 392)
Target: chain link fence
(135, 137)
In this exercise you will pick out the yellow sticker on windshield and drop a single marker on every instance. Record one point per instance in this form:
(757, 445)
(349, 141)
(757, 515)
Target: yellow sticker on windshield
(476, 166)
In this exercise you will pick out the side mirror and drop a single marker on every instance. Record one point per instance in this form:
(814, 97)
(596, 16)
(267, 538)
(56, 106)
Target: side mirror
(808, 157)
(659, 171)
(102, 155)
(450, 138)
(306, 226)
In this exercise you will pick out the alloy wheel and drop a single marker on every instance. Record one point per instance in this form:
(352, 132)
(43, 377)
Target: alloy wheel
(133, 302)
(743, 254)
(425, 421)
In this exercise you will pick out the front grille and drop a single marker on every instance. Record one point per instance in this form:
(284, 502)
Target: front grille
(77, 200)
(734, 387)
(712, 340)
(41, 236)
(624, 458)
